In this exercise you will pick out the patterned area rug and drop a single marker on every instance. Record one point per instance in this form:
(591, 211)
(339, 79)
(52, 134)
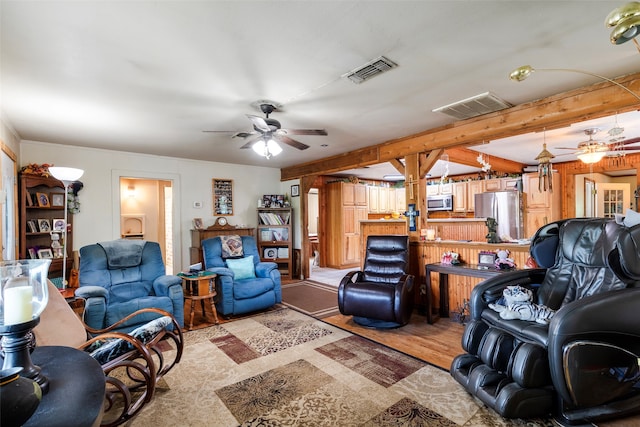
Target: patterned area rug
(284, 368)
(315, 299)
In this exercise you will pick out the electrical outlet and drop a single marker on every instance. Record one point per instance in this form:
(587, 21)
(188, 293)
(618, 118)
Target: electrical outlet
(197, 205)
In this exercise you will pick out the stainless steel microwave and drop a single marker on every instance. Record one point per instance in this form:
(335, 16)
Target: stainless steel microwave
(442, 202)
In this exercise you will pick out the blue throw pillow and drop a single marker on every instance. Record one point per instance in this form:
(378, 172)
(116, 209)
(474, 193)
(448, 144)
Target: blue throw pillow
(242, 267)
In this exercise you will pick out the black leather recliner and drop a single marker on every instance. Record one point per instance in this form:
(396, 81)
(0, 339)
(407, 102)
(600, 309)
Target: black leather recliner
(583, 365)
(381, 295)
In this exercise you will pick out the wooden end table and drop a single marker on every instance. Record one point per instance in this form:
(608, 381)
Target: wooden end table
(199, 288)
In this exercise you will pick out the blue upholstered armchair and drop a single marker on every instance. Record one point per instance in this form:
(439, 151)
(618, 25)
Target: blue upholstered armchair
(122, 276)
(243, 283)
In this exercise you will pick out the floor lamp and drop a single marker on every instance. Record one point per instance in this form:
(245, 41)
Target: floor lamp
(67, 176)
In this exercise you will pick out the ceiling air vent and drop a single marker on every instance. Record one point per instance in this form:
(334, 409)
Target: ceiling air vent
(370, 69)
(475, 106)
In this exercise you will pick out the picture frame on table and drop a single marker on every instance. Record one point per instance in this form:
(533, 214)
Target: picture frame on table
(487, 259)
(43, 200)
(57, 200)
(58, 224)
(33, 254)
(198, 224)
(295, 190)
(44, 226)
(45, 253)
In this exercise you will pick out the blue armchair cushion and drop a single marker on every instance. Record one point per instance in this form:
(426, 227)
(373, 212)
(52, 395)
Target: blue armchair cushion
(122, 254)
(242, 268)
(231, 246)
(122, 309)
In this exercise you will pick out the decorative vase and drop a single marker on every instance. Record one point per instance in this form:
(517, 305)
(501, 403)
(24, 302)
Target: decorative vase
(19, 397)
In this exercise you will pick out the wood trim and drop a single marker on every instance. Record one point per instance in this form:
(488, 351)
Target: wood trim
(586, 103)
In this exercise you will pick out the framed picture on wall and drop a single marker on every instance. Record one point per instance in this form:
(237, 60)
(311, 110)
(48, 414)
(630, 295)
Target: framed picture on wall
(295, 190)
(222, 196)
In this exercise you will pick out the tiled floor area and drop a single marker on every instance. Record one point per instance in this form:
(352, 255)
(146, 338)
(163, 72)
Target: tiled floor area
(329, 276)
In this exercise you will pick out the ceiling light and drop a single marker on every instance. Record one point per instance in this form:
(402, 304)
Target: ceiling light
(626, 21)
(521, 73)
(393, 177)
(267, 149)
(591, 156)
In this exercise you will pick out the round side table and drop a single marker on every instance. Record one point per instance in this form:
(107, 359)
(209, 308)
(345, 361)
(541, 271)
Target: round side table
(200, 288)
(76, 388)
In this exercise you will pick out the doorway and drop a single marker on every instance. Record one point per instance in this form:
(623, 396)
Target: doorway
(612, 199)
(149, 210)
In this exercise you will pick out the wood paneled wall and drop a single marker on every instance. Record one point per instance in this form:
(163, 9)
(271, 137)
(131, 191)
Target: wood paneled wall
(460, 287)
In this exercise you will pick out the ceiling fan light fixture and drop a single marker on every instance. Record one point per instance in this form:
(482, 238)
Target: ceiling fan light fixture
(591, 156)
(267, 148)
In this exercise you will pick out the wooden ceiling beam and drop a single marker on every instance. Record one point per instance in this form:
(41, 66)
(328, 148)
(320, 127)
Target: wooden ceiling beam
(396, 163)
(465, 156)
(427, 160)
(586, 103)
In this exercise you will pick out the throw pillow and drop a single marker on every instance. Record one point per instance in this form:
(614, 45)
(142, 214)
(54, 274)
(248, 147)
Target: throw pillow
(231, 246)
(242, 267)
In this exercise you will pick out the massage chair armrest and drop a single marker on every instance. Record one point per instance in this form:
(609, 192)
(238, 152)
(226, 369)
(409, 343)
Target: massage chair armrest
(264, 269)
(609, 317)
(490, 290)
(164, 285)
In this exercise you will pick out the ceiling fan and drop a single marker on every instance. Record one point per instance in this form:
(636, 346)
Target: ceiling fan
(267, 132)
(592, 151)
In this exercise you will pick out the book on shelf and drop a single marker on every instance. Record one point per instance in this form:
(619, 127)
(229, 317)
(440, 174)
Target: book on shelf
(270, 218)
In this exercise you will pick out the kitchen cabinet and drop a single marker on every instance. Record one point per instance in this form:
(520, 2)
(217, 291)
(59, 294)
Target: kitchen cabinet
(473, 188)
(459, 196)
(401, 200)
(374, 205)
(344, 214)
(383, 200)
(540, 207)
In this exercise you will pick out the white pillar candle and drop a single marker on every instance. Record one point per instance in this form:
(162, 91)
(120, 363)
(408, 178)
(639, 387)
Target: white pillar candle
(431, 234)
(18, 307)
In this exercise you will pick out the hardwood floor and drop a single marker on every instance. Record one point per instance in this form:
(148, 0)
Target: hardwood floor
(437, 344)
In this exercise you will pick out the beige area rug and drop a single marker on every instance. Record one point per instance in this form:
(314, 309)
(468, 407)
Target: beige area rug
(315, 299)
(284, 368)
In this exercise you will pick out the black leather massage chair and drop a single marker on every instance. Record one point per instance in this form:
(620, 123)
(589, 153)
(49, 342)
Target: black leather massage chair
(583, 365)
(381, 295)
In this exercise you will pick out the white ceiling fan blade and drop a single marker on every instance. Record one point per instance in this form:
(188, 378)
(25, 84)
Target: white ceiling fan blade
(259, 123)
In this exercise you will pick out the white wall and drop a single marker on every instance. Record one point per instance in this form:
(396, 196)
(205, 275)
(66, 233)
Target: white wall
(97, 220)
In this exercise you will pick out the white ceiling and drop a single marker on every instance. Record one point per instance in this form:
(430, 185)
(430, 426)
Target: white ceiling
(150, 76)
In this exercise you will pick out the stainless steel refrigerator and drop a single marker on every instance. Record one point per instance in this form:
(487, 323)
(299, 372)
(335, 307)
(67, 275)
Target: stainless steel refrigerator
(506, 208)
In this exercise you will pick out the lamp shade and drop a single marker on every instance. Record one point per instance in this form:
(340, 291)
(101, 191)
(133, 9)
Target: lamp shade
(66, 175)
(24, 290)
(591, 156)
(267, 148)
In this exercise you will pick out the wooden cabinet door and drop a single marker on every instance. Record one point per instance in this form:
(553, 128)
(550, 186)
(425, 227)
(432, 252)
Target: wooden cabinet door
(460, 197)
(401, 200)
(534, 219)
(473, 188)
(373, 199)
(383, 200)
(360, 194)
(446, 188)
(348, 194)
(494, 184)
(433, 190)
(535, 199)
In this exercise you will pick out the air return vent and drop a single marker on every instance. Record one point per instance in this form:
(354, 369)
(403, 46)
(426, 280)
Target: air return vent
(370, 69)
(475, 106)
